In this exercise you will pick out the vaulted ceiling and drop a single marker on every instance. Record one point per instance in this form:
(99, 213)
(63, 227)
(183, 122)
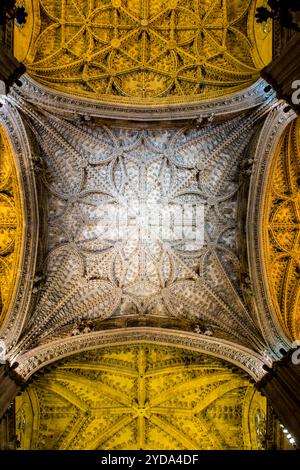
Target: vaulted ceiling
(282, 232)
(141, 232)
(141, 397)
(144, 51)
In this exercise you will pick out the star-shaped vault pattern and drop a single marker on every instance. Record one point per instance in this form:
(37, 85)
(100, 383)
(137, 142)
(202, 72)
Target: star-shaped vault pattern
(134, 50)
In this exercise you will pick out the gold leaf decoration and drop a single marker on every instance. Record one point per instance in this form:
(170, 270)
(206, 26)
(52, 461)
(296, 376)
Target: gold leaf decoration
(141, 397)
(144, 51)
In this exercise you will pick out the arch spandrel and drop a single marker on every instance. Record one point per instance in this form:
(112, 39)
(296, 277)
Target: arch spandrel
(146, 53)
(160, 397)
(11, 225)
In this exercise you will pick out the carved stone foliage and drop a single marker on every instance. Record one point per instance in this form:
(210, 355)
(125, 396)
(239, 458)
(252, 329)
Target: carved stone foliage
(283, 232)
(34, 359)
(101, 265)
(132, 51)
(141, 397)
(11, 224)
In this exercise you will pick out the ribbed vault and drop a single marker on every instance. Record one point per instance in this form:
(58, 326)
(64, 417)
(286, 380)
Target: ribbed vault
(125, 318)
(282, 234)
(141, 397)
(144, 52)
(106, 271)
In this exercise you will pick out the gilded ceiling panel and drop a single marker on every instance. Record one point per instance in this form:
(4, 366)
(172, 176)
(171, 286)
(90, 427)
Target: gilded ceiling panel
(11, 225)
(282, 236)
(146, 51)
(141, 397)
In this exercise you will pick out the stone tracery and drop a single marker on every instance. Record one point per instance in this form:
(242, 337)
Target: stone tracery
(89, 276)
(141, 397)
(144, 50)
(282, 238)
(11, 220)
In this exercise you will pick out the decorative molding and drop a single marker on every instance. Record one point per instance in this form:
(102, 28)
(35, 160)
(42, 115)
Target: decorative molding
(11, 121)
(31, 361)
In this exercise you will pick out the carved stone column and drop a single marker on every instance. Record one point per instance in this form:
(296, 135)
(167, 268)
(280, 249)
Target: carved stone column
(284, 70)
(281, 386)
(281, 36)
(8, 389)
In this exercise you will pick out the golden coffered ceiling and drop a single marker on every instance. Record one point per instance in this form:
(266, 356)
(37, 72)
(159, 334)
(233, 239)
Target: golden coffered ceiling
(141, 397)
(144, 51)
(282, 235)
(11, 225)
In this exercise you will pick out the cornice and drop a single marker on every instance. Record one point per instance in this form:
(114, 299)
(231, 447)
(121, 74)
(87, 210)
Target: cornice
(33, 360)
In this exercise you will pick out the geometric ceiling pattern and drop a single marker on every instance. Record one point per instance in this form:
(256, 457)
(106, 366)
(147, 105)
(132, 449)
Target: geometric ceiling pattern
(282, 235)
(11, 225)
(103, 269)
(140, 260)
(141, 397)
(144, 51)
